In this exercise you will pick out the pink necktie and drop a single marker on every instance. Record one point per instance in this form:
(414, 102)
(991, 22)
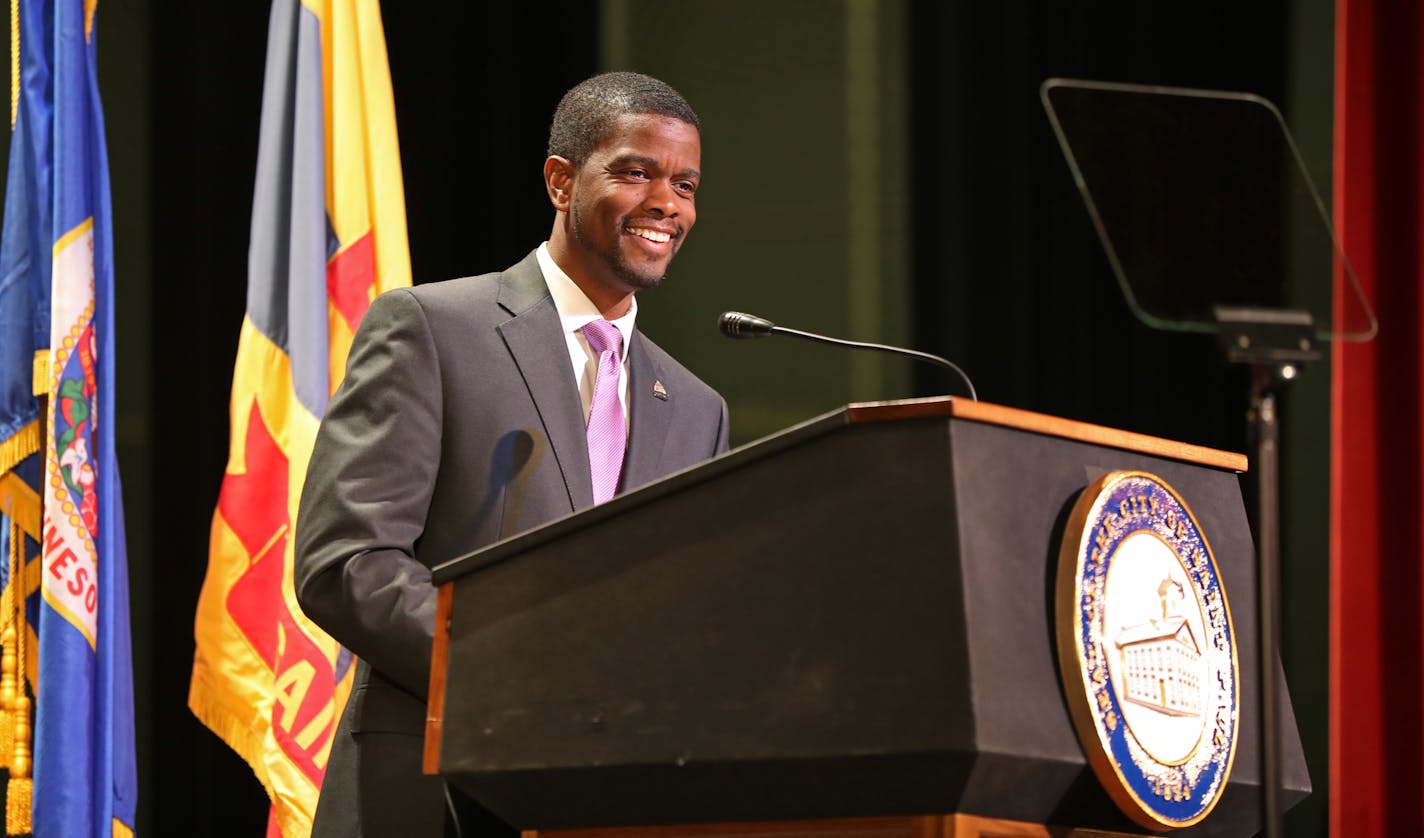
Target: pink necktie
(607, 431)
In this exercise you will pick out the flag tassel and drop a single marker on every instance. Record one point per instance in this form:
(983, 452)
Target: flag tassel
(15, 714)
(20, 792)
(7, 690)
(8, 654)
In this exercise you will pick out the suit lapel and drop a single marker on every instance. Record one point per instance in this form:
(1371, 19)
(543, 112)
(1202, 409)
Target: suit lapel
(535, 339)
(649, 402)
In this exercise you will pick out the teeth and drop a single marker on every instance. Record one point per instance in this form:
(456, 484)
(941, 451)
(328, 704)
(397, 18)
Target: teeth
(650, 235)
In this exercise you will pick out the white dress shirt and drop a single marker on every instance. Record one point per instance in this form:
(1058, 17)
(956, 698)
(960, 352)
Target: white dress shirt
(576, 311)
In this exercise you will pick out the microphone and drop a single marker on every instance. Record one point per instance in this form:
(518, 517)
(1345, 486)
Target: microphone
(735, 324)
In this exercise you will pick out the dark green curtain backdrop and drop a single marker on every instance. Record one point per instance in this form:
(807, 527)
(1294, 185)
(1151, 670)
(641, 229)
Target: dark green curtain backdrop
(1001, 270)
(1009, 274)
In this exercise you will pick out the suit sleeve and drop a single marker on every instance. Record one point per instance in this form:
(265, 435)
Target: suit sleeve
(367, 494)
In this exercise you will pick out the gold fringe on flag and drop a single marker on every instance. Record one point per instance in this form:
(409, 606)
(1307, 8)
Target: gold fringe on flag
(14, 61)
(19, 445)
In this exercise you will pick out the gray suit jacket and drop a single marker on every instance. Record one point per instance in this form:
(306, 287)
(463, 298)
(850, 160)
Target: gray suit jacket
(458, 423)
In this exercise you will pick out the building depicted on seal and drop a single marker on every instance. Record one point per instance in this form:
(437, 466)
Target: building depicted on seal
(1161, 660)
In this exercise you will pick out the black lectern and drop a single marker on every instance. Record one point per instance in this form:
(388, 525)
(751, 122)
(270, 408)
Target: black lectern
(851, 619)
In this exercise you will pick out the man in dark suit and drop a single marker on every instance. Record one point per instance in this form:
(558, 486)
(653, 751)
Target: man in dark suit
(468, 414)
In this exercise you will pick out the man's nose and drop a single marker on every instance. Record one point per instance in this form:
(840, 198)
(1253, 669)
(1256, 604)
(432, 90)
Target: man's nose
(661, 199)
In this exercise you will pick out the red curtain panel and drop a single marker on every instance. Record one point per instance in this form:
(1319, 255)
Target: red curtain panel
(1377, 510)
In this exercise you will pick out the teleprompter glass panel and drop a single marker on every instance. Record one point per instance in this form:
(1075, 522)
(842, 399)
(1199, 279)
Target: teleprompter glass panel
(1201, 200)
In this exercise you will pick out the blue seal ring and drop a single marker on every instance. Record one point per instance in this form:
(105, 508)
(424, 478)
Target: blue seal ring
(1156, 794)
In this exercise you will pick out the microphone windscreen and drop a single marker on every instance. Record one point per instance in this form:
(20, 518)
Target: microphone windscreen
(735, 324)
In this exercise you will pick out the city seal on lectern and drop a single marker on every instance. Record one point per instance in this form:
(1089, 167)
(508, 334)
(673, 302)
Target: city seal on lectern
(1147, 650)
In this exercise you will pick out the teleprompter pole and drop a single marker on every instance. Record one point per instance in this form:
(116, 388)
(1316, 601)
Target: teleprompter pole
(1266, 427)
(1275, 343)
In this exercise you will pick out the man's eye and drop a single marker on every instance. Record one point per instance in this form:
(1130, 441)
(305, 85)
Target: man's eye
(637, 173)
(686, 187)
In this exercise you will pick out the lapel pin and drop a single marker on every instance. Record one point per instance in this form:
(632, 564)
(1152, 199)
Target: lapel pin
(659, 391)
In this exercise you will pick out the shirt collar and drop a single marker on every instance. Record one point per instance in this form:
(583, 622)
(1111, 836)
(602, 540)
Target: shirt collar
(574, 307)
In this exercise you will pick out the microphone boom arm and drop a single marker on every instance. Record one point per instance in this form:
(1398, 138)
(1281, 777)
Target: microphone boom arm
(880, 347)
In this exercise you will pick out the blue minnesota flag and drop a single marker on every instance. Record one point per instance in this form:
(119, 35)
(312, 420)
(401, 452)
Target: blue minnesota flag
(66, 677)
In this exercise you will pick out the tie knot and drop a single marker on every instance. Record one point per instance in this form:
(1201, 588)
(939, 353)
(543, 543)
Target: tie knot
(603, 336)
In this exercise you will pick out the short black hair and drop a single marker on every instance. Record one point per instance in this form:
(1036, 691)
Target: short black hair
(586, 114)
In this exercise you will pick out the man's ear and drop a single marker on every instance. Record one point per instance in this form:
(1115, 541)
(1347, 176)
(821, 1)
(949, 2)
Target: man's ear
(559, 175)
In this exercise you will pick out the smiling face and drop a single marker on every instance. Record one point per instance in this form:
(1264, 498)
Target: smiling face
(625, 212)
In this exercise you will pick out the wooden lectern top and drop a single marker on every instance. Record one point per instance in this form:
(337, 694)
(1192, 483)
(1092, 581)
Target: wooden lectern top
(1040, 423)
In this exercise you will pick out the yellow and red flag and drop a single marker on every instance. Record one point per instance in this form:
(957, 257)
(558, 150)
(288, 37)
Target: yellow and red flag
(328, 235)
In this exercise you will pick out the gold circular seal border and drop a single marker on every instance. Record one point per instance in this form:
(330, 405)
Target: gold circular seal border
(1072, 666)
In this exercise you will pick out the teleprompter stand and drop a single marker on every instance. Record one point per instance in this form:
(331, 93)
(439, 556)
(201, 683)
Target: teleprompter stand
(1275, 344)
(1211, 225)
